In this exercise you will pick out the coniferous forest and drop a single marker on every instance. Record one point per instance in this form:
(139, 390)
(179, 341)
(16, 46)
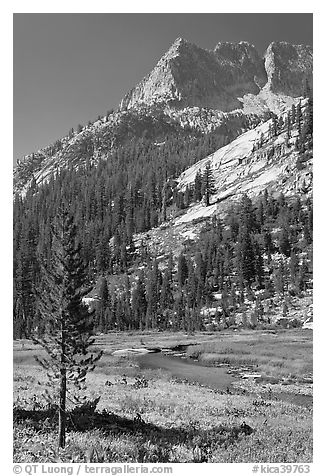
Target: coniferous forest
(129, 193)
(163, 252)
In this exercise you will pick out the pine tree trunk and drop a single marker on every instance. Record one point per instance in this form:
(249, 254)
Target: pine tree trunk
(62, 408)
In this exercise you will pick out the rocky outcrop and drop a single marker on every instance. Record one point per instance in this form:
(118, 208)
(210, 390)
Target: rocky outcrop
(253, 162)
(288, 67)
(243, 64)
(188, 76)
(191, 91)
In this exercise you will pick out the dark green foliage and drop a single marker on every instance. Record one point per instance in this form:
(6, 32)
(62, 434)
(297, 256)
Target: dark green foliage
(153, 289)
(259, 265)
(246, 256)
(268, 243)
(284, 242)
(132, 190)
(102, 305)
(293, 114)
(139, 302)
(166, 299)
(198, 186)
(274, 129)
(182, 270)
(235, 251)
(66, 319)
(288, 128)
(208, 188)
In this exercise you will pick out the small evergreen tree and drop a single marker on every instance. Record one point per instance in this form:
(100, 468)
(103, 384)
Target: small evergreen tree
(245, 259)
(293, 114)
(259, 265)
(138, 301)
(294, 271)
(268, 243)
(166, 292)
(299, 119)
(274, 127)
(279, 279)
(182, 270)
(288, 129)
(208, 184)
(284, 242)
(68, 334)
(103, 304)
(198, 186)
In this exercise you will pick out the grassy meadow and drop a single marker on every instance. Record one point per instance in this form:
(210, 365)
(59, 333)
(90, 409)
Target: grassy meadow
(274, 354)
(146, 415)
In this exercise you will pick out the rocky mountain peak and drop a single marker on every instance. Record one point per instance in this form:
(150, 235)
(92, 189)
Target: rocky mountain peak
(244, 60)
(172, 79)
(179, 43)
(288, 67)
(235, 51)
(190, 76)
(226, 90)
(178, 47)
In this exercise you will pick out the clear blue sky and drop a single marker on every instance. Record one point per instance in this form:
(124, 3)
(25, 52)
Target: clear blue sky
(69, 68)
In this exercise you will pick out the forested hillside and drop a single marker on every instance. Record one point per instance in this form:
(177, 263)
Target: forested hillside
(260, 248)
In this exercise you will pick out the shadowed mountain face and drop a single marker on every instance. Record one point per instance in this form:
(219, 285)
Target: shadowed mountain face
(191, 76)
(288, 67)
(188, 76)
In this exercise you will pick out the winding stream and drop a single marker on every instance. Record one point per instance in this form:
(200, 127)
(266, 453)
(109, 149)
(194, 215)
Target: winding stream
(211, 377)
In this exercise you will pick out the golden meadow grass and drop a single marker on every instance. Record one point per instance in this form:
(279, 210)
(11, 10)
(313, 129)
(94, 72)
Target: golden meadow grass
(180, 422)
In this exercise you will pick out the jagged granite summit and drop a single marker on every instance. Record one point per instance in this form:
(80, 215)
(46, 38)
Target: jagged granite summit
(188, 75)
(191, 91)
(288, 67)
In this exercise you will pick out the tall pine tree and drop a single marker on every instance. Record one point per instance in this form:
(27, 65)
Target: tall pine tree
(68, 325)
(208, 184)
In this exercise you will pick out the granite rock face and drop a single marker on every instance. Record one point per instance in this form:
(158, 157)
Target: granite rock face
(191, 91)
(243, 64)
(189, 76)
(288, 67)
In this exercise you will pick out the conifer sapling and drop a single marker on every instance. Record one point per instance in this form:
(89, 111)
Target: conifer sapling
(68, 324)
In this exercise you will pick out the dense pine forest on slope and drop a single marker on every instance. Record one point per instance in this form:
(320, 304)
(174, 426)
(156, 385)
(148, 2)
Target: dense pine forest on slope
(116, 131)
(261, 248)
(163, 269)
